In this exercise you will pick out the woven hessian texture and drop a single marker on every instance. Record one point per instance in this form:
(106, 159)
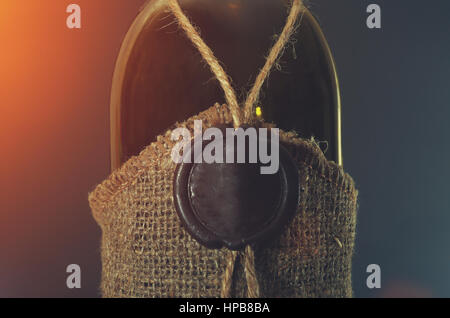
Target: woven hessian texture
(147, 253)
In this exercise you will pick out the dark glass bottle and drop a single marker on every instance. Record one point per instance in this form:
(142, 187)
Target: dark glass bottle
(161, 79)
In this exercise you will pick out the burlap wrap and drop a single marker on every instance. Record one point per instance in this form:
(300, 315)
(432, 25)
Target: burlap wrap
(147, 253)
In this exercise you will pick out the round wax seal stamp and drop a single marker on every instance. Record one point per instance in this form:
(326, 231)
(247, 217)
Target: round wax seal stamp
(235, 204)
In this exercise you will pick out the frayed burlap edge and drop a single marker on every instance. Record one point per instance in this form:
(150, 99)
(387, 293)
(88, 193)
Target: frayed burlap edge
(120, 179)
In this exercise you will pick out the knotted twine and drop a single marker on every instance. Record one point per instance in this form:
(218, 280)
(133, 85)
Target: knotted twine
(240, 116)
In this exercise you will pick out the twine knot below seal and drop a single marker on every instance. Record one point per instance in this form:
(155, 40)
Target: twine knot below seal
(240, 116)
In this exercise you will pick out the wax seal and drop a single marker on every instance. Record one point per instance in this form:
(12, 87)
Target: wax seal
(232, 204)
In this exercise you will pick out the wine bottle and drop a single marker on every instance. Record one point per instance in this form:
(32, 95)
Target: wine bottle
(161, 79)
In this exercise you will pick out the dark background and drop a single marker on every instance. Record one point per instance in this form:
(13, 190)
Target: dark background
(54, 134)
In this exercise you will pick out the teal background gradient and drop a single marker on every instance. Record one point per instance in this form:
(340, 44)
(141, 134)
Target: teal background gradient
(396, 110)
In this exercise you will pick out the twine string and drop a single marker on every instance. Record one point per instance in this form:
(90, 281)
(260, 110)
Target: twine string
(250, 273)
(228, 274)
(274, 54)
(210, 59)
(239, 116)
